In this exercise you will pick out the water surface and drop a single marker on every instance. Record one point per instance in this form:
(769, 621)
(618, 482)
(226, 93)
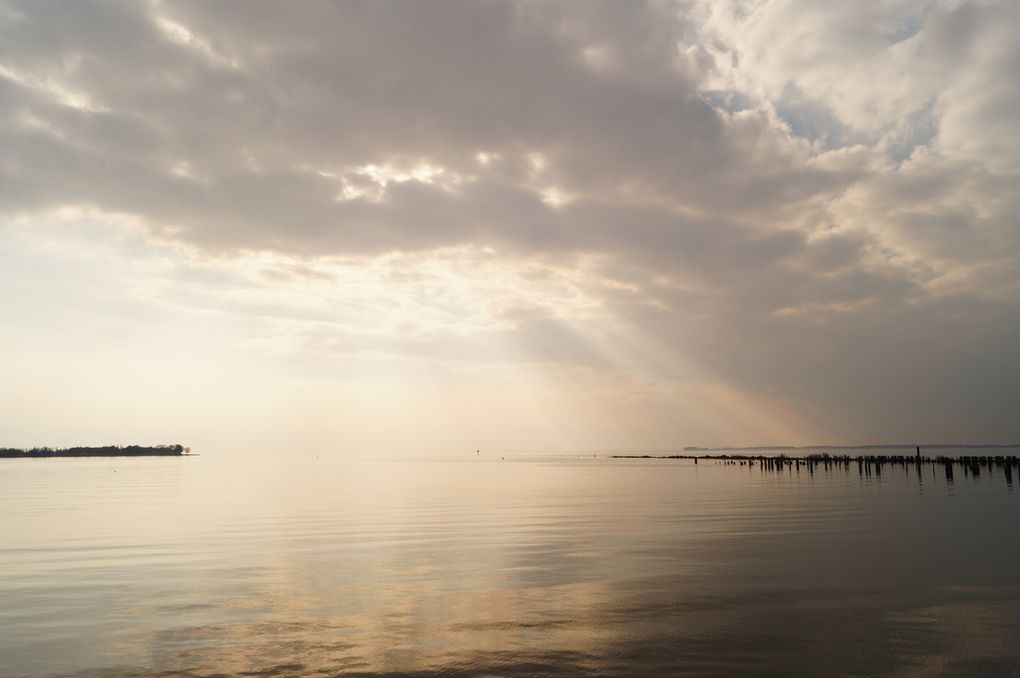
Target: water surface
(299, 565)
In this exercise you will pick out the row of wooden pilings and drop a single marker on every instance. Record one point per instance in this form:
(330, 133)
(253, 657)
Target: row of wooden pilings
(867, 465)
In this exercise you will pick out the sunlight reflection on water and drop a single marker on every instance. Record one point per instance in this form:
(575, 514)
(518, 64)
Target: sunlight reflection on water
(542, 566)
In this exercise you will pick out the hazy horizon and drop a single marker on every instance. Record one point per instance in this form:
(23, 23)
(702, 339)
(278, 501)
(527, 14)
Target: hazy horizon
(367, 227)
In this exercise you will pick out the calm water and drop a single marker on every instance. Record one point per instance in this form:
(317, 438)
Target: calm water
(563, 566)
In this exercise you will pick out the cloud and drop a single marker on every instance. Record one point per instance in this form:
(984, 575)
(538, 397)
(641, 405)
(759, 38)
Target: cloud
(227, 148)
(811, 202)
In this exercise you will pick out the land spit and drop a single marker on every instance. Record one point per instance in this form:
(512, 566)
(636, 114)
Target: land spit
(105, 451)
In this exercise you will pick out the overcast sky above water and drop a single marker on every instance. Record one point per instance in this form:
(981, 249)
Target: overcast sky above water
(387, 227)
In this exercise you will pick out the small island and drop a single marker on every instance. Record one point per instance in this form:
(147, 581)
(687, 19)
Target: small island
(175, 450)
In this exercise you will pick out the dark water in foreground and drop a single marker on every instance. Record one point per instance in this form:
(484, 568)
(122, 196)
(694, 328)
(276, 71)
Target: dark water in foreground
(213, 566)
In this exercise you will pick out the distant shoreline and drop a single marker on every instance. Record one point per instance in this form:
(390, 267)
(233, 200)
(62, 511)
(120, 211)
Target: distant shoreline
(105, 451)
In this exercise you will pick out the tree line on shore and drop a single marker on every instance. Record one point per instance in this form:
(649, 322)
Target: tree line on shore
(101, 451)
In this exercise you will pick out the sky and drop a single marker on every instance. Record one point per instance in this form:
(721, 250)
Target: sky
(435, 227)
